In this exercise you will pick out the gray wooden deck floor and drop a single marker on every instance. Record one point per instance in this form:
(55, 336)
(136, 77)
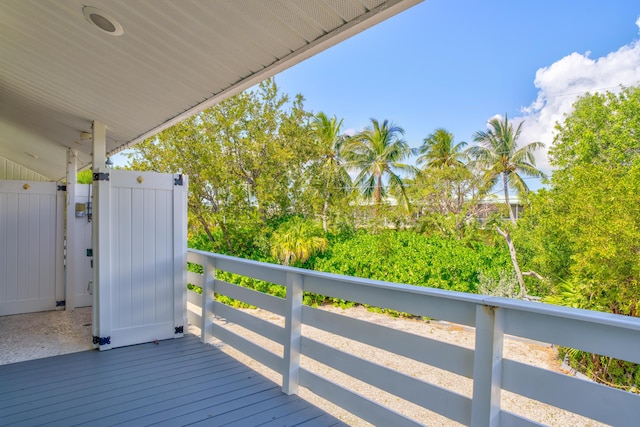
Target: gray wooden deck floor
(175, 383)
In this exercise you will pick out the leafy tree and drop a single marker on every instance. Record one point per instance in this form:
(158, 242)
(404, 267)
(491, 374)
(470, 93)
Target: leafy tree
(245, 158)
(296, 240)
(328, 175)
(584, 232)
(377, 153)
(445, 190)
(445, 201)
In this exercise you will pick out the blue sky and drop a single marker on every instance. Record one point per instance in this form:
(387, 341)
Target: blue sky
(455, 64)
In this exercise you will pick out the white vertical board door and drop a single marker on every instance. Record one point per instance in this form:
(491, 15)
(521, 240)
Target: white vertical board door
(31, 270)
(140, 262)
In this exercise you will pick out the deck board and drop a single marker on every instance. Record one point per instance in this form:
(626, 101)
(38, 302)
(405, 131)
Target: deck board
(175, 383)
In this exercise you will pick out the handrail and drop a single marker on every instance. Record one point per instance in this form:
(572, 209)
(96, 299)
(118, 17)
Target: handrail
(600, 333)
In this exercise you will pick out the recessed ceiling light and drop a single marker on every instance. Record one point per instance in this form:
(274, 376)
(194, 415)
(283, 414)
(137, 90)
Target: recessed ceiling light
(103, 21)
(31, 155)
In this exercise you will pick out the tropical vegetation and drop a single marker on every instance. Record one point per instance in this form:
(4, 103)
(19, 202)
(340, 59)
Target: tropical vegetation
(274, 182)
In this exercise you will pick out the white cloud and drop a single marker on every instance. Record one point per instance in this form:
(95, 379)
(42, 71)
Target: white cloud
(561, 83)
(638, 22)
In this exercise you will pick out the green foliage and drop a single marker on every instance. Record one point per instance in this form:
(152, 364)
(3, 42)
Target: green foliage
(85, 177)
(377, 154)
(259, 164)
(244, 159)
(297, 239)
(583, 234)
(601, 130)
(438, 151)
(500, 158)
(505, 286)
(407, 257)
(329, 182)
(604, 369)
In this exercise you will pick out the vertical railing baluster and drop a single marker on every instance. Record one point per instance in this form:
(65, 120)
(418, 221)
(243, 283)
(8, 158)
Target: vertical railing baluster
(487, 367)
(208, 297)
(293, 329)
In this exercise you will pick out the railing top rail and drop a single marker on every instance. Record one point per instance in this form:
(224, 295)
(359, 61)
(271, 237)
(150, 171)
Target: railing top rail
(609, 319)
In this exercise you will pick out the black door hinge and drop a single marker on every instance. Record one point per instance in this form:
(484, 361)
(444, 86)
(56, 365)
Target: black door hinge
(179, 329)
(102, 340)
(61, 303)
(178, 180)
(101, 176)
(62, 188)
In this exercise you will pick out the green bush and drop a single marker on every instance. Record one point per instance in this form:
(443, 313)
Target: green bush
(401, 257)
(414, 259)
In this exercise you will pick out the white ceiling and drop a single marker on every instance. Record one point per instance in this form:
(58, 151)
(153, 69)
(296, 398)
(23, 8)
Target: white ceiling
(59, 72)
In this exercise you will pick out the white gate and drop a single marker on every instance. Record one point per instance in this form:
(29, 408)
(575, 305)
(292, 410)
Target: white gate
(31, 247)
(139, 257)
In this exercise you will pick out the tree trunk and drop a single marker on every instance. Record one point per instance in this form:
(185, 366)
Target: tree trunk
(514, 260)
(377, 195)
(325, 209)
(506, 198)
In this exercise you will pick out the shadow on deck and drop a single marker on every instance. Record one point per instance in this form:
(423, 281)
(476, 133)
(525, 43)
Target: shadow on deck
(174, 383)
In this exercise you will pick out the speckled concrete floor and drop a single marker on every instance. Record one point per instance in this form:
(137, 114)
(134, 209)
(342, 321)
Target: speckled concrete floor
(50, 333)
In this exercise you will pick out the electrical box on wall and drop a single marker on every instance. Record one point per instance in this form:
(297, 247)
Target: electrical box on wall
(81, 210)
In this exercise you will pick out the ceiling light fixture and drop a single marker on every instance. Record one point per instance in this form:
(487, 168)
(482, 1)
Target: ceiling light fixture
(31, 155)
(103, 21)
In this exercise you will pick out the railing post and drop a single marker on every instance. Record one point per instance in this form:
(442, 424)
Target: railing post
(208, 297)
(293, 329)
(487, 367)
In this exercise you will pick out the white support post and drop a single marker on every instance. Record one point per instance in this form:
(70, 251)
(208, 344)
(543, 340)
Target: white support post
(71, 231)
(487, 367)
(293, 330)
(99, 145)
(208, 297)
(59, 238)
(102, 260)
(180, 194)
(101, 206)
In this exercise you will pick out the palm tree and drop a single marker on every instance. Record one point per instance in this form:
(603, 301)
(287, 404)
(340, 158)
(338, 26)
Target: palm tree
(377, 153)
(296, 240)
(446, 160)
(438, 151)
(329, 175)
(500, 158)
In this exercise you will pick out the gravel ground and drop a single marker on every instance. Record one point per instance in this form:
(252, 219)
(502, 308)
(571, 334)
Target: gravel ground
(37, 335)
(50, 333)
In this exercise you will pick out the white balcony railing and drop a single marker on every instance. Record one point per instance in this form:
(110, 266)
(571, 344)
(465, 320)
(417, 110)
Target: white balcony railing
(492, 318)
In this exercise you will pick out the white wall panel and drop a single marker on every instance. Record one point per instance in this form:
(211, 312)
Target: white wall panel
(83, 273)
